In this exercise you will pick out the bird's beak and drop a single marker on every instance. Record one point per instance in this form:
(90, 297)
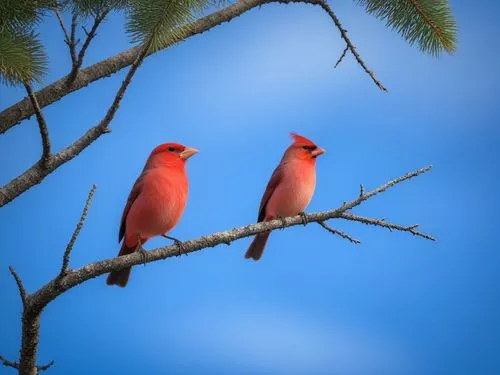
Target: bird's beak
(187, 153)
(317, 151)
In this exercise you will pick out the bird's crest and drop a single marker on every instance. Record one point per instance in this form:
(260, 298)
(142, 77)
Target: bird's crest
(301, 140)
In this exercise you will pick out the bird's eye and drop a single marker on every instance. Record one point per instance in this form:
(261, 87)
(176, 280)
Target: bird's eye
(309, 148)
(171, 149)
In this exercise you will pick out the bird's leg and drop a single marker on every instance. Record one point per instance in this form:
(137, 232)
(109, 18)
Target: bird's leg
(283, 221)
(140, 249)
(304, 218)
(179, 244)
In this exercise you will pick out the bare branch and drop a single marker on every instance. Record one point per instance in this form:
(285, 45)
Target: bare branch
(72, 41)
(338, 232)
(8, 363)
(384, 224)
(15, 365)
(38, 172)
(356, 202)
(341, 57)
(45, 367)
(53, 289)
(67, 39)
(42, 125)
(71, 243)
(62, 87)
(90, 35)
(20, 286)
(37, 301)
(343, 33)
(361, 190)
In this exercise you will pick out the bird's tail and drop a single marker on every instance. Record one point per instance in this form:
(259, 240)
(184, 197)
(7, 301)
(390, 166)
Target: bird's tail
(120, 278)
(257, 246)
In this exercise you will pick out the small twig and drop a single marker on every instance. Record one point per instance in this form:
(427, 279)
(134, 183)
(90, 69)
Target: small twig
(8, 363)
(121, 91)
(384, 224)
(338, 232)
(90, 35)
(45, 367)
(361, 190)
(15, 365)
(42, 125)
(20, 286)
(356, 202)
(67, 39)
(341, 56)
(343, 34)
(72, 41)
(79, 226)
(85, 30)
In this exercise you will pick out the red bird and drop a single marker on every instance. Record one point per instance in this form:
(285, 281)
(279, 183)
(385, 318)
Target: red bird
(156, 202)
(290, 188)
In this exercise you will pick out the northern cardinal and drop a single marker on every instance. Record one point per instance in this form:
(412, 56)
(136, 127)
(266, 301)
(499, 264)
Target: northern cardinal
(290, 188)
(156, 202)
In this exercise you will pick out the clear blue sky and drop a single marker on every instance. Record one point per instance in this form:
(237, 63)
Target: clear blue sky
(314, 304)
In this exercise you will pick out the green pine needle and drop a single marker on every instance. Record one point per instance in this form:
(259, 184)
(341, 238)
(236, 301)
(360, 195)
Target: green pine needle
(427, 23)
(93, 8)
(161, 20)
(22, 58)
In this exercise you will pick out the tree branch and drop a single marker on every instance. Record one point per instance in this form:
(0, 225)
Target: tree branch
(36, 302)
(79, 226)
(44, 131)
(338, 232)
(72, 39)
(20, 286)
(60, 88)
(341, 57)
(385, 224)
(38, 172)
(8, 363)
(67, 39)
(77, 63)
(343, 33)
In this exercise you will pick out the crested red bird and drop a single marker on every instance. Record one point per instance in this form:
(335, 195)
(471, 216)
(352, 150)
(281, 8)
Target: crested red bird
(156, 202)
(290, 188)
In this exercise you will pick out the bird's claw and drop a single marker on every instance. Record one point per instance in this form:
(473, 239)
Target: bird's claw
(178, 243)
(180, 246)
(304, 218)
(283, 222)
(144, 254)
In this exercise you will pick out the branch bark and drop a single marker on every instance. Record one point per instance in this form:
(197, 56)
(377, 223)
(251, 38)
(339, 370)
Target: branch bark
(35, 303)
(62, 87)
(42, 125)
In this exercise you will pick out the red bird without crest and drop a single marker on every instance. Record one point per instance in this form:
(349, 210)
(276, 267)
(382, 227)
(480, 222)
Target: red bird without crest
(156, 202)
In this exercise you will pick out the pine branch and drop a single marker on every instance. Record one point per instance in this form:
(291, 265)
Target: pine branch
(58, 89)
(428, 23)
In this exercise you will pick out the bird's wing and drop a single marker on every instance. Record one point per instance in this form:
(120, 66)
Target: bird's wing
(271, 185)
(134, 193)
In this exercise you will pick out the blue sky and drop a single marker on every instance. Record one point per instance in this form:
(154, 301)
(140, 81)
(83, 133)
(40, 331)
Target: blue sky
(314, 304)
